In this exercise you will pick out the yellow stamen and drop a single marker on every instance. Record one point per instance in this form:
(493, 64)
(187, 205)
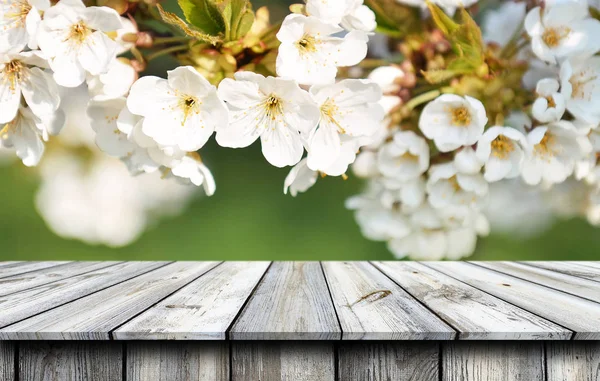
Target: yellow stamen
(502, 147)
(79, 32)
(329, 110)
(188, 104)
(544, 147)
(307, 44)
(273, 106)
(553, 36)
(17, 15)
(460, 116)
(13, 73)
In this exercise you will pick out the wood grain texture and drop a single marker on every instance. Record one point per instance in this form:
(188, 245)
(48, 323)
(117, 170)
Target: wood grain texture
(176, 361)
(15, 268)
(291, 303)
(475, 314)
(574, 361)
(202, 310)
(578, 269)
(7, 360)
(15, 283)
(584, 288)
(493, 361)
(372, 307)
(72, 361)
(26, 303)
(283, 361)
(577, 314)
(382, 361)
(94, 316)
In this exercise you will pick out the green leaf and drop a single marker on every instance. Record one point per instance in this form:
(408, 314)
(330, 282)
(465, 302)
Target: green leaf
(172, 19)
(395, 19)
(238, 18)
(465, 38)
(204, 15)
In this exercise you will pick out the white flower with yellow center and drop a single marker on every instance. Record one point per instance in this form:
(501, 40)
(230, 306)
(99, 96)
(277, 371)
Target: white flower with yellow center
(310, 54)
(452, 121)
(181, 111)
(550, 106)
(405, 157)
(19, 20)
(23, 74)
(349, 110)
(501, 149)
(556, 148)
(580, 82)
(276, 110)
(74, 39)
(447, 187)
(561, 30)
(26, 133)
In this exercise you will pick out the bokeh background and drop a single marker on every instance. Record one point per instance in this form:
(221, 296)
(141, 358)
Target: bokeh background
(249, 218)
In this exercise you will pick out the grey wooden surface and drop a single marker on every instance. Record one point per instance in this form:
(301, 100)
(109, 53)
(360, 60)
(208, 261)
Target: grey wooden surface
(291, 303)
(365, 360)
(174, 361)
(300, 300)
(7, 360)
(302, 361)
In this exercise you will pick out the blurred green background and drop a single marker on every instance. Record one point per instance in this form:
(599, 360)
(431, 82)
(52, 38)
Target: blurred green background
(249, 218)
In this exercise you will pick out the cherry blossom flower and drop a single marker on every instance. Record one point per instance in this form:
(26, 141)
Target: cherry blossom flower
(310, 54)
(447, 187)
(405, 157)
(349, 109)
(556, 149)
(276, 110)
(580, 87)
(26, 133)
(183, 110)
(19, 21)
(562, 30)
(74, 39)
(22, 74)
(550, 106)
(452, 121)
(501, 149)
(300, 179)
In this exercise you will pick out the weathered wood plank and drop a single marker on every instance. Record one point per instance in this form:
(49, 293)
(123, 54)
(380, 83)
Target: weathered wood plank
(175, 361)
(493, 361)
(94, 316)
(578, 269)
(397, 361)
(583, 288)
(371, 306)
(283, 361)
(52, 361)
(202, 310)
(26, 303)
(15, 283)
(579, 315)
(15, 268)
(573, 361)
(7, 360)
(291, 303)
(475, 314)
(8, 263)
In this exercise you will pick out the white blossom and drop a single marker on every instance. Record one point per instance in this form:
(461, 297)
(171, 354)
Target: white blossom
(351, 14)
(550, 106)
(502, 151)
(183, 110)
(405, 157)
(300, 179)
(452, 121)
(74, 39)
(556, 149)
(26, 133)
(19, 21)
(22, 74)
(449, 188)
(466, 161)
(276, 110)
(116, 82)
(310, 54)
(500, 24)
(191, 169)
(580, 87)
(562, 30)
(349, 109)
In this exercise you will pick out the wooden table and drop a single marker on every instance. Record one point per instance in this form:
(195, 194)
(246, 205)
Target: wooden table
(300, 321)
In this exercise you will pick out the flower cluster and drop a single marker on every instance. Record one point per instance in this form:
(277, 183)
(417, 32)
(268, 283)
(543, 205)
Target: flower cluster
(437, 114)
